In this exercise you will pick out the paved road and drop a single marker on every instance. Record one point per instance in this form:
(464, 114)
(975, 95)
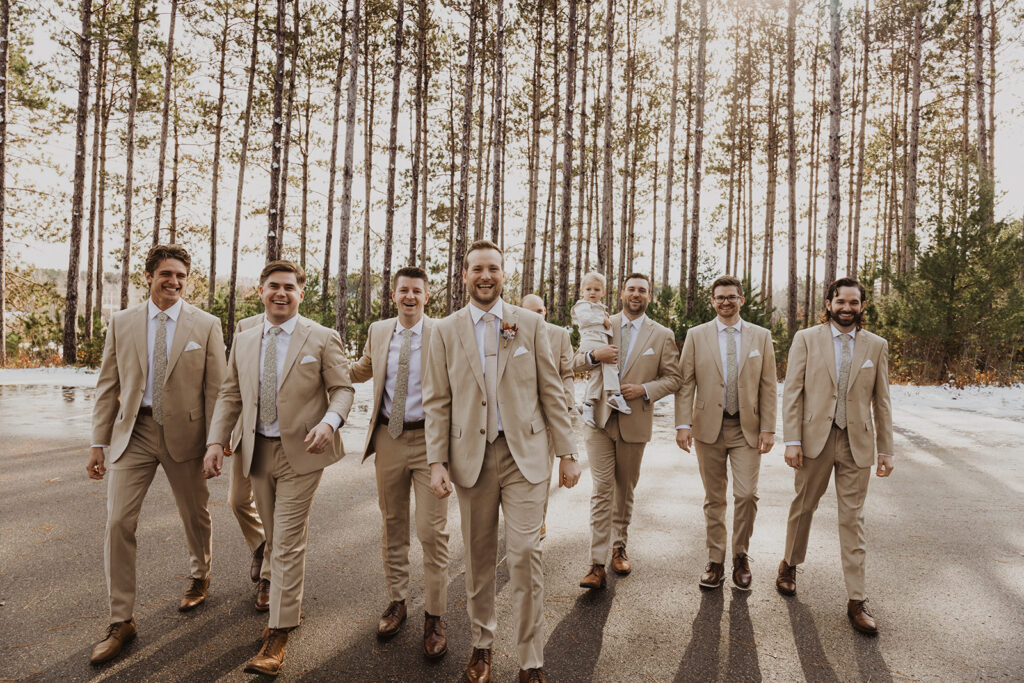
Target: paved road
(945, 571)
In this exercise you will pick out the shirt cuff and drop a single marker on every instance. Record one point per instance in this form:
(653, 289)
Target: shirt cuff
(333, 419)
(590, 358)
(792, 443)
(101, 445)
(767, 431)
(682, 426)
(884, 455)
(647, 396)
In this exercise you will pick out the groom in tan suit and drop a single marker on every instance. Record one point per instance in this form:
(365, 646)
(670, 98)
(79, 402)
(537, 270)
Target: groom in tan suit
(289, 381)
(163, 363)
(727, 403)
(395, 352)
(836, 417)
(491, 392)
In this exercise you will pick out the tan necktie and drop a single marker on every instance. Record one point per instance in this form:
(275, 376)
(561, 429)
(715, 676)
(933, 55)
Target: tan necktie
(159, 367)
(491, 376)
(844, 381)
(397, 419)
(732, 396)
(268, 382)
(627, 334)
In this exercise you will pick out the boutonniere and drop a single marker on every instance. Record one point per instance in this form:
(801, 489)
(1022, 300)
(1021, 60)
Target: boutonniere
(508, 332)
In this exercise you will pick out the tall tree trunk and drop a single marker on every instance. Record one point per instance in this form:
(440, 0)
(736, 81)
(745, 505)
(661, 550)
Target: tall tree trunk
(287, 137)
(417, 145)
(698, 152)
(369, 124)
(217, 130)
(480, 182)
(686, 172)
(462, 218)
(276, 125)
(834, 112)
(810, 278)
(307, 120)
(176, 120)
(984, 174)
(497, 141)
(533, 161)
(567, 145)
(332, 172)
(583, 157)
(129, 162)
(910, 199)
(5, 26)
(97, 123)
(861, 143)
(670, 168)
(552, 194)
(993, 39)
(389, 218)
(791, 321)
(605, 258)
(426, 164)
(452, 273)
(772, 156)
(625, 246)
(164, 121)
(341, 308)
(106, 105)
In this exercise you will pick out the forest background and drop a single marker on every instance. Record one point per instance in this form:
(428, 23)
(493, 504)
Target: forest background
(787, 142)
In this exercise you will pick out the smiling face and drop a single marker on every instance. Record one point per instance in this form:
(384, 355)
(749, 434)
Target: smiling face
(484, 276)
(281, 295)
(410, 296)
(846, 308)
(167, 282)
(636, 295)
(727, 301)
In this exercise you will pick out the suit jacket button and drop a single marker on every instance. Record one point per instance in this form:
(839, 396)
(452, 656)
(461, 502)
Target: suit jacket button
(483, 403)
(483, 431)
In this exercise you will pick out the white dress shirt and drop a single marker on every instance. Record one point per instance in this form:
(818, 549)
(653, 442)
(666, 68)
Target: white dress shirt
(638, 325)
(414, 391)
(151, 326)
(481, 329)
(284, 337)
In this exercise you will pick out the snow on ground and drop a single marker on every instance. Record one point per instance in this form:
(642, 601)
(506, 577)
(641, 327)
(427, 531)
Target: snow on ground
(50, 377)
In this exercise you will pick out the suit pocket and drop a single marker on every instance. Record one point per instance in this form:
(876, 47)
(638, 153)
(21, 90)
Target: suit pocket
(455, 431)
(537, 426)
(808, 417)
(195, 414)
(699, 404)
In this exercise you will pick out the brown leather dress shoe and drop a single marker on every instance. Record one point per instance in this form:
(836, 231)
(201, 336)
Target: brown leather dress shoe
(479, 668)
(713, 576)
(620, 561)
(435, 642)
(262, 603)
(532, 676)
(269, 659)
(392, 619)
(257, 562)
(595, 578)
(860, 618)
(741, 572)
(195, 594)
(785, 582)
(118, 635)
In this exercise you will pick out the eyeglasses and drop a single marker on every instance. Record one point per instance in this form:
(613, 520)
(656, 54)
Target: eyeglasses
(723, 299)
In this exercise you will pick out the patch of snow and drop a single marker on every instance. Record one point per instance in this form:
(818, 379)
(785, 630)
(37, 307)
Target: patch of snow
(54, 377)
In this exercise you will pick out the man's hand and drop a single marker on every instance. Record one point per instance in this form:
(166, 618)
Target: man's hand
(440, 484)
(607, 323)
(568, 472)
(885, 466)
(95, 467)
(684, 439)
(795, 457)
(765, 442)
(318, 438)
(213, 460)
(632, 391)
(606, 354)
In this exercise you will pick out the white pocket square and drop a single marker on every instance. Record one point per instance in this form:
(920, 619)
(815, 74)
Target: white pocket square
(307, 359)
(868, 364)
(191, 346)
(520, 351)
(753, 354)
(649, 352)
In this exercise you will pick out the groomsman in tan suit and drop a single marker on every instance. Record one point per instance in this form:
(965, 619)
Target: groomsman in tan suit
(393, 357)
(836, 417)
(163, 363)
(491, 392)
(648, 362)
(727, 404)
(289, 381)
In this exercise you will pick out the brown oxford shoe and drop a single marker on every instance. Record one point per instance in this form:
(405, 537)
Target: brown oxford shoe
(595, 578)
(532, 676)
(118, 635)
(479, 668)
(620, 561)
(785, 582)
(262, 603)
(713, 576)
(270, 658)
(257, 562)
(860, 618)
(392, 619)
(195, 594)
(741, 572)
(435, 642)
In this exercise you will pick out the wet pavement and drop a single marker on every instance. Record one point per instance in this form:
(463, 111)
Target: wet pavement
(945, 570)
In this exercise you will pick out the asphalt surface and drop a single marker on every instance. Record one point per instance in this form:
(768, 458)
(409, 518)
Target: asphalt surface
(945, 571)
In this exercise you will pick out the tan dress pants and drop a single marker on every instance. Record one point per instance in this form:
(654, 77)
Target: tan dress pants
(745, 462)
(615, 469)
(284, 499)
(502, 484)
(402, 463)
(241, 502)
(851, 490)
(128, 481)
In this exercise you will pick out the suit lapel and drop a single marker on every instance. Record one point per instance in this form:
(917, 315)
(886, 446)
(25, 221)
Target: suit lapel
(467, 338)
(639, 344)
(380, 354)
(186, 321)
(505, 349)
(428, 328)
(711, 340)
(140, 330)
(829, 352)
(746, 343)
(860, 353)
(247, 359)
(302, 330)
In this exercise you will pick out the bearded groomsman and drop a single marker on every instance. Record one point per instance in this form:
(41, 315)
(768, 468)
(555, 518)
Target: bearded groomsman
(648, 362)
(289, 381)
(491, 392)
(163, 363)
(393, 358)
(836, 417)
(726, 408)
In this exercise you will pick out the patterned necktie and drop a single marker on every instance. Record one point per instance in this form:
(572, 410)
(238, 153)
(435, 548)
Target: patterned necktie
(627, 334)
(397, 419)
(159, 367)
(268, 383)
(491, 375)
(844, 381)
(732, 397)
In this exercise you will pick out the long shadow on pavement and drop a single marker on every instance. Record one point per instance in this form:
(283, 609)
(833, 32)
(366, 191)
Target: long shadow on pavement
(743, 664)
(700, 661)
(574, 646)
(813, 659)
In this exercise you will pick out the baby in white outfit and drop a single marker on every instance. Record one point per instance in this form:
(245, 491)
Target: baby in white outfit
(590, 315)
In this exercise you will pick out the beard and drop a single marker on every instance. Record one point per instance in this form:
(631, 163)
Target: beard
(846, 318)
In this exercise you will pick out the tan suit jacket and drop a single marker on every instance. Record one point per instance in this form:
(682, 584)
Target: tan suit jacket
(653, 363)
(191, 382)
(374, 364)
(700, 399)
(561, 348)
(241, 325)
(809, 397)
(531, 397)
(308, 389)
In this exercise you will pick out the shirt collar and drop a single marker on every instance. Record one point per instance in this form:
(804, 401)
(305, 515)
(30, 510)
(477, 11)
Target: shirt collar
(722, 326)
(478, 313)
(836, 331)
(288, 326)
(173, 312)
(637, 324)
(417, 329)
